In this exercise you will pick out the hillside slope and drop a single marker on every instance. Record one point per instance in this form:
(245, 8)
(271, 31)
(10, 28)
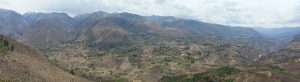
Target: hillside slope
(288, 58)
(19, 63)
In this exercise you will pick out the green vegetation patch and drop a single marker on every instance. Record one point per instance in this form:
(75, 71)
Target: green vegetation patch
(117, 74)
(277, 69)
(5, 47)
(119, 80)
(209, 76)
(229, 80)
(179, 78)
(190, 58)
(223, 71)
(199, 76)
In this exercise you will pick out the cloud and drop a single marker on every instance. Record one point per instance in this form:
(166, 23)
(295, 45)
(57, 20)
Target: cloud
(296, 18)
(250, 13)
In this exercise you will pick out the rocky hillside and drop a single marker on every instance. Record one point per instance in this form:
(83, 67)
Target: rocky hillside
(19, 63)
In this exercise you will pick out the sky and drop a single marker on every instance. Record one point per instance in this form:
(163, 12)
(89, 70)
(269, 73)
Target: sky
(247, 13)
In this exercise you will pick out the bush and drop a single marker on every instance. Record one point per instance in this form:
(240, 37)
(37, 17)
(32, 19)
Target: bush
(4, 49)
(72, 72)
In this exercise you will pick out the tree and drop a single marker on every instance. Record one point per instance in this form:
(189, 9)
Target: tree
(12, 48)
(72, 72)
(5, 42)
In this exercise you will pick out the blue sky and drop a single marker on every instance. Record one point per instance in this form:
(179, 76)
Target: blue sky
(249, 13)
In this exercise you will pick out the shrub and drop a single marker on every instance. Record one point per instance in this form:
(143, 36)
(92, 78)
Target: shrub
(72, 72)
(4, 49)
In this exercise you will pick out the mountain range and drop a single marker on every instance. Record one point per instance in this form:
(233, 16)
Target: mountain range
(103, 46)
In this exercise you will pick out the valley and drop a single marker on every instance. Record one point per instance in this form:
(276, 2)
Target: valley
(125, 47)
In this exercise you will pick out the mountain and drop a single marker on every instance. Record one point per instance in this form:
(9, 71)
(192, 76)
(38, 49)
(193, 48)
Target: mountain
(39, 30)
(205, 29)
(12, 24)
(20, 63)
(46, 29)
(279, 37)
(283, 33)
(120, 28)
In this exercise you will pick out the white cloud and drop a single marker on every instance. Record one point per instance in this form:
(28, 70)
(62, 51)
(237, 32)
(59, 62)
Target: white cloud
(260, 13)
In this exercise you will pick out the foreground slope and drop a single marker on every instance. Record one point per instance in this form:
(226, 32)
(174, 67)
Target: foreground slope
(19, 63)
